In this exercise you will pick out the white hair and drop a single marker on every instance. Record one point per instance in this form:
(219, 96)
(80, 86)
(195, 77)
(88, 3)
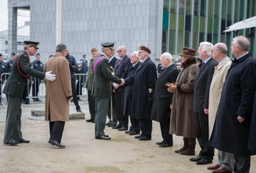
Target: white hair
(136, 53)
(167, 55)
(207, 46)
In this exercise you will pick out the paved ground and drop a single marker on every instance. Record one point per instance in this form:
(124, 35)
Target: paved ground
(85, 154)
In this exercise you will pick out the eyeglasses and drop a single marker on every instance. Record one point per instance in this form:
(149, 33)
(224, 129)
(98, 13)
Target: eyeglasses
(118, 51)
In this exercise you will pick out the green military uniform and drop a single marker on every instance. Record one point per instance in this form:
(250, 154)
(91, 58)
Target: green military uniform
(102, 91)
(15, 89)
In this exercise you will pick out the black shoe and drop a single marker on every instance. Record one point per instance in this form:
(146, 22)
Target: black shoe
(24, 141)
(116, 127)
(165, 144)
(195, 159)
(103, 137)
(12, 142)
(133, 133)
(109, 122)
(90, 120)
(127, 131)
(137, 137)
(112, 124)
(122, 128)
(78, 110)
(160, 143)
(53, 142)
(203, 161)
(144, 138)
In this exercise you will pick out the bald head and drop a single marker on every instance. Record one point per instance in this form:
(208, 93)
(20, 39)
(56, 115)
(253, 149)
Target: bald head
(240, 45)
(219, 51)
(121, 51)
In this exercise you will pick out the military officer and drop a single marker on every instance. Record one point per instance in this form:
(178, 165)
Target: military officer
(102, 89)
(15, 90)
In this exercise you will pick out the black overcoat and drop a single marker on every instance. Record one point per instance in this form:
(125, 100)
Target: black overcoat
(236, 99)
(143, 80)
(128, 91)
(162, 98)
(202, 86)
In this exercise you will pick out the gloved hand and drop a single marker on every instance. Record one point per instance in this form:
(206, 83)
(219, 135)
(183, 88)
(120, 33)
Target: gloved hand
(171, 87)
(49, 76)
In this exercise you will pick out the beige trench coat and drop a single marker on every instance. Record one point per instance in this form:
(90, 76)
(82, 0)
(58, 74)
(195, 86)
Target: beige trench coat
(58, 91)
(218, 80)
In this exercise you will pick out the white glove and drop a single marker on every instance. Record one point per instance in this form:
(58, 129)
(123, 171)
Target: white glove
(49, 76)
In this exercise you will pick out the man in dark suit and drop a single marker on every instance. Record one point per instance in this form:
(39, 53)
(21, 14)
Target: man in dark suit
(201, 101)
(233, 124)
(142, 97)
(135, 124)
(15, 89)
(83, 69)
(121, 69)
(73, 69)
(9, 64)
(39, 66)
(112, 102)
(161, 108)
(2, 77)
(102, 89)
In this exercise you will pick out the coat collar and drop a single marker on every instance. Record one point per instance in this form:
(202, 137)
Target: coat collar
(166, 69)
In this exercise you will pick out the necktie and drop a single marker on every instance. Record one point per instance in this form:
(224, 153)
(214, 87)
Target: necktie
(202, 65)
(119, 61)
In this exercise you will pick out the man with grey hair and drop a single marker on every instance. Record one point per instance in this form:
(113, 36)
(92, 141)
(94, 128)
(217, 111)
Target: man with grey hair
(219, 53)
(135, 126)
(15, 89)
(161, 108)
(201, 103)
(234, 115)
(58, 95)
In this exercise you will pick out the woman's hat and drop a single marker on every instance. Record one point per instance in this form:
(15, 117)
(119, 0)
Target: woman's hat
(188, 52)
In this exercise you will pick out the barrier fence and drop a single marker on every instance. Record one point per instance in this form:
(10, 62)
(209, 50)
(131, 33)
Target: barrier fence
(36, 87)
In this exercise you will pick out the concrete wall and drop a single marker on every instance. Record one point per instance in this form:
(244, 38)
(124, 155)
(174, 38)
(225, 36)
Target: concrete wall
(87, 23)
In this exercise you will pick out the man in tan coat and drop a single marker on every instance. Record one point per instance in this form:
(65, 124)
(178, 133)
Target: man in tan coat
(219, 53)
(58, 95)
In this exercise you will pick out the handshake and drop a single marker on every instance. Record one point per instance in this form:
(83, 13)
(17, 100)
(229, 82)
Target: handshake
(171, 87)
(116, 86)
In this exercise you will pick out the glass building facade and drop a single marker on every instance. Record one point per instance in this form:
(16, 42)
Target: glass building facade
(186, 23)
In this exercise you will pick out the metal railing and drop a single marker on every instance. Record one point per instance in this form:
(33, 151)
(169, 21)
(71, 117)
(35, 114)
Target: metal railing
(36, 87)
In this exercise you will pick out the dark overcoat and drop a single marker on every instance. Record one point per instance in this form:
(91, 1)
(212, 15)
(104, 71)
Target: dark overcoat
(162, 98)
(237, 98)
(102, 77)
(121, 69)
(182, 115)
(202, 86)
(128, 91)
(252, 137)
(143, 80)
